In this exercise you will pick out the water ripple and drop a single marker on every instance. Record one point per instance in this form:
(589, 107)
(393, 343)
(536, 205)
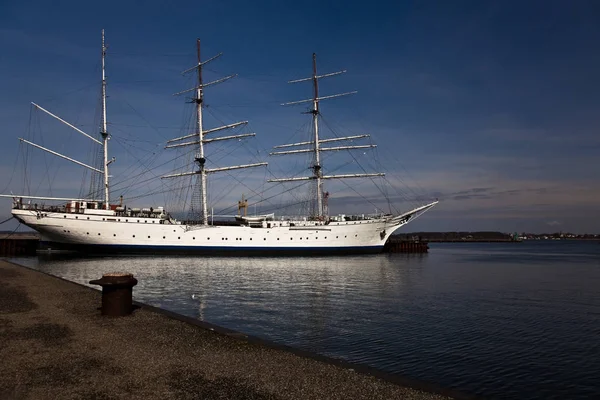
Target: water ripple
(507, 321)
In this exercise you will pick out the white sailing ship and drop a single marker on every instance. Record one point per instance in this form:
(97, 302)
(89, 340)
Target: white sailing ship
(98, 226)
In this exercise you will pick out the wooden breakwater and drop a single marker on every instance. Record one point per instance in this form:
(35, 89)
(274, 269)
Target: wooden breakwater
(399, 245)
(18, 244)
(476, 240)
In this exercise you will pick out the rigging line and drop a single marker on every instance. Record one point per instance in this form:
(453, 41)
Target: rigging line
(405, 197)
(358, 112)
(13, 171)
(13, 232)
(383, 192)
(131, 82)
(150, 190)
(26, 152)
(276, 194)
(47, 170)
(360, 195)
(50, 99)
(112, 53)
(379, 167)
(281, 193)
(222, 194)
(408, 187)
(249, 105)
(136, 142)
(149, 153)
(147, 194)
(139, 161)
(69, 138)
(142, 173)
(267, 198)
(6, 220)
(355, 159)
(142, 117)
(143, 126)
(283, 184)
(285, 206)
(137, 146)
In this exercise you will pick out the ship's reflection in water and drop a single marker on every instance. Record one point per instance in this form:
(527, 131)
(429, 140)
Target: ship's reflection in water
(301, 301)
(512, 321)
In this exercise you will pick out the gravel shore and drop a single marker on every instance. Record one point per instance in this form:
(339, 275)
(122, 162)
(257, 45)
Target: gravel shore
(54, 344)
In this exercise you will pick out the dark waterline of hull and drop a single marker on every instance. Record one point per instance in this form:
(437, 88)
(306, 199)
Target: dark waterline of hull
(217, 251)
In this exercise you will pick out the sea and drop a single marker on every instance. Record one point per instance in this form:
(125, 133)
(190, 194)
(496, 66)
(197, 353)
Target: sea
(498, 320)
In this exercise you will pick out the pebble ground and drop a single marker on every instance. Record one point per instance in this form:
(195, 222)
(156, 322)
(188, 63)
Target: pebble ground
(54, 344)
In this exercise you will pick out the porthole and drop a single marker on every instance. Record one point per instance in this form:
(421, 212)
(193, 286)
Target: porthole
(87, 233)
(277, 238)
(207, 238)
(119, 220)
(264, 238)
(164, 237)
(89, 218)
(64, 216)
(355, 235)
(126, 220)
(193, 238)
(336, 237)
(133, 235)
(138, 220)
(250, 238)
(98, 233)
(291, 238)
(148, 237)
(325, 237)
(76, 217)
(178, 237)
(114, 234)
(152, 221)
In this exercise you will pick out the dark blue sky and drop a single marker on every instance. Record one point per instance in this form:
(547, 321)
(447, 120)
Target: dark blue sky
(490, 106)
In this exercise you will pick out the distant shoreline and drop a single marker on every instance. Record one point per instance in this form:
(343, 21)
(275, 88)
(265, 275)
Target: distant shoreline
(491, 237)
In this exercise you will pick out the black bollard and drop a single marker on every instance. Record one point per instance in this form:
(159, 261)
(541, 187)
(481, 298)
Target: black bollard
(117, 291)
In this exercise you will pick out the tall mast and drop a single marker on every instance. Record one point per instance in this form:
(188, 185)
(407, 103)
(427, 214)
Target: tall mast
(103, 132)
(314, 145)
(198, 139)
(200, 156)
(315, 113)
(316, 142)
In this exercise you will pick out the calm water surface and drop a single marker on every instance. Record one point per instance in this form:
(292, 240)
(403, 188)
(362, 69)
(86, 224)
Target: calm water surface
(499, 320)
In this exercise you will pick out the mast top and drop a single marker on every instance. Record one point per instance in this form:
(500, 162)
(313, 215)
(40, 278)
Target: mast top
(315, 79)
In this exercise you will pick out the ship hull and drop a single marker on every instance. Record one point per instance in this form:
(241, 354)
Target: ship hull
(99, 235)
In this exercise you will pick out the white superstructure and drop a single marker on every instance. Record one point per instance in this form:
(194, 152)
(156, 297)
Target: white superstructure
(97, 226)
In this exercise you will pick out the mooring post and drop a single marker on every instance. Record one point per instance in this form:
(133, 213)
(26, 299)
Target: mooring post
(117, 289)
